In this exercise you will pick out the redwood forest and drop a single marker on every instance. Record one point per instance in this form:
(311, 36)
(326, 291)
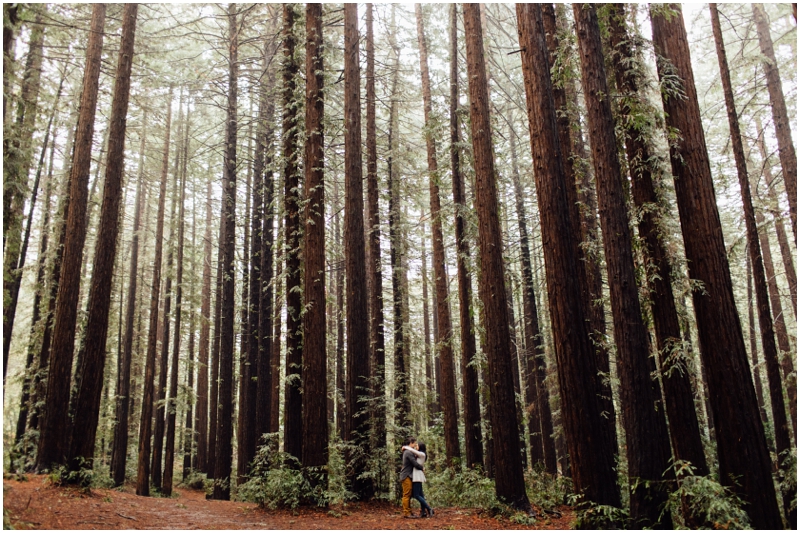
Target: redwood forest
(489, 266)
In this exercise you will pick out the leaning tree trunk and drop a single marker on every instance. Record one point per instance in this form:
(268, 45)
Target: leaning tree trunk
(678, 395)
(509, 482)
(315, 360)
(473, 446)
(357, 322)
(445, 342)
(146, 420)
(591, 449)
(376, 341)
(224, 451)
(30, 377)
(647, 440)
(751, 322)
(780, 117)
(87, 405)
(54, 435)
(774, 208)
(780, 423)
(17, 161)
(742, 447)
(293, 415)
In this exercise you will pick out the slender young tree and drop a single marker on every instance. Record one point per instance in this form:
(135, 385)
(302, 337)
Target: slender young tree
(509, 483)
(402, 408)
(119, 449)
(540, 426)
(163, 361)
(780, 117)
(751, 322)
(469, 373)
(591, 450)
(146, 420)
(54, 431)
(87, 406)
(224, 451)
(376, 341)
(315, 360)
(201, 412)
(355, 264)
(266, 374)
(293, 415)
(444, 344)
(172, 398)
(647, 440)
(741, 444)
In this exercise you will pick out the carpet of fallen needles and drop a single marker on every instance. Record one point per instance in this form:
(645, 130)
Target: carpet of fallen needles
(36, 503)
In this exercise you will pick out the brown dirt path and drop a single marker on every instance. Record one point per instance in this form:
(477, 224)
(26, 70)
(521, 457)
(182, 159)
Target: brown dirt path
(37, 504)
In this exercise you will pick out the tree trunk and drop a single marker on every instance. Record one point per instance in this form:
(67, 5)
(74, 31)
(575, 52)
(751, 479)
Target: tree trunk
(780, 117)
(190, 435)
(53, 440)
(201, 412)
(31, 377)
(213, 402)
(751, 321)
(15, 184)
(741, 444)
(224, 451)
(275, 356)
(172, 402)
(119, 453)
(537, 397)
(293, 416)
(774, 208)
(445, 341)
(18, 144)
(377, 344)
(87, 406)
(590, 444)
(163, 361)
(402, 404)
(469, 373)
(261, 278)
(678, 396)
(357, 325)
(646, 434)
(509, 482)
(341, 418)
(771, 356)
(146, 421)
(580, 191)
(315, 360)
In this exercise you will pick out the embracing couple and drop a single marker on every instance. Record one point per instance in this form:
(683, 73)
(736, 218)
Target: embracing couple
(412, 477)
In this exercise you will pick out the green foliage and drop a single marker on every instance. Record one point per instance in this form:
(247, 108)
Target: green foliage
(195, 480)
(547, 491)
(591, 515)
(701, 501)
(788, 476)
(454, 488)
(277, 483)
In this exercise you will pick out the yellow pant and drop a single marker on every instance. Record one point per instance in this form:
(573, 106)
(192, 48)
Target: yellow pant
(406, 484)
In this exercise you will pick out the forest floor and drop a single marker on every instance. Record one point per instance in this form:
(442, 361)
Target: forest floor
(38, 504)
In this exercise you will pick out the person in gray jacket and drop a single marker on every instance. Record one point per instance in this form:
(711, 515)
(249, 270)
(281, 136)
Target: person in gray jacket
(406, 474)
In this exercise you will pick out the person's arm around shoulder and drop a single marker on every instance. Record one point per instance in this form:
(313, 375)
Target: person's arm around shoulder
(412, 460)
(415, 452)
